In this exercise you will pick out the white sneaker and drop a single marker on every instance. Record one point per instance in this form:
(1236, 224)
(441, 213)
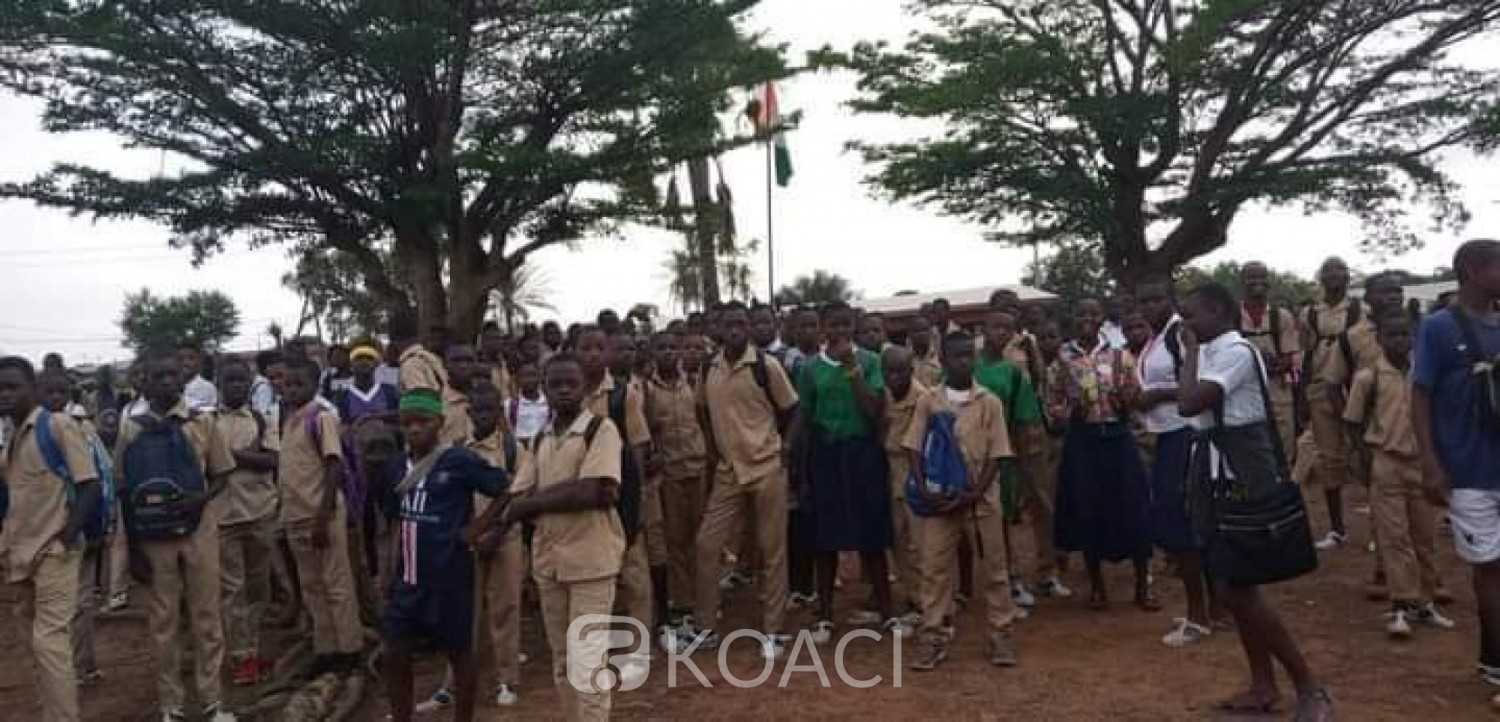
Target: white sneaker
(1185, 632)
(774, 647)
(897, 627)
(1430, 616)
(667, 637)
(1398, 627)
(634, 670)
(1054, 588)
(822, 632)
(215, 713)
(864, 617)
(1332, 540)
(507, 696)
(172, 715)
(1020, 595)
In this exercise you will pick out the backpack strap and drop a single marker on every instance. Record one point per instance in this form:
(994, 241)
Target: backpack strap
(52, 454)
(1470, 336)
(591, 431)
(1173, 342)
(511, 453)
(617, 405)
(1275, 312)
(763, 380)
(1261, 372)
(1351, 317)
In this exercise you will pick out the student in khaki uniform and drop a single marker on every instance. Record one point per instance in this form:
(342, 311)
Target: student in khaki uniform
(595, 354)
(313, 512)
(984, 440)
(1380, 404)
(569, 493)
(503, 569)
(677, 461)
(1274, 331)
(460, 363)
(245, 511)
(183, 569)
(902, 394)
(1327, 332)
(927, 369)
(41, 543)
(421, 367)
(746, 476)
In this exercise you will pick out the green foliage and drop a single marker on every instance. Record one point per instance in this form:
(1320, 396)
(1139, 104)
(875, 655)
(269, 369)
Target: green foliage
(1085, 119)
(1074, 272)
(526, 289)
(153, 322)
(819, 288)
(1287, 290)
(463, 136)
(333, 287)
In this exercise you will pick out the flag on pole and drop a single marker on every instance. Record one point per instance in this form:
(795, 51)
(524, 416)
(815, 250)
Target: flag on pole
(767, 118)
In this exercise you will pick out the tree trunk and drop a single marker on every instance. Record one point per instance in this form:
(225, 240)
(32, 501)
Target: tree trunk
(418, 251)
(705, 230)
(468, 298)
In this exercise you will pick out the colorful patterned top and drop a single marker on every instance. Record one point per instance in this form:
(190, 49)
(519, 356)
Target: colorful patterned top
(1091, 385)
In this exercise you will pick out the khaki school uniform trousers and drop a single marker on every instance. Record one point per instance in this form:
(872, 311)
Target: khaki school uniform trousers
(937, 548)
(88, 607)
(730, 502)
(562, 602)
(186, 568)
(903, 540)
(682, 511)
(327, 585)
(245, 552)
(1405, 523)
(1333, 470)
(44, 614)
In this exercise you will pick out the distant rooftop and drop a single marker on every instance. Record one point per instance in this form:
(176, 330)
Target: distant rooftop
(959, 299)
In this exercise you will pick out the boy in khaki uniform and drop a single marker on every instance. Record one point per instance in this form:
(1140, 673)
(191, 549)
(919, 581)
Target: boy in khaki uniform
(569, 493)
(1328, 374)
(594, 355)
(245, 508)
(41, 544)
(1273, 330)
(742, 424)
(185, 568)
(902, 394)
(313, 511)
(677, 464)
(421, 367)
(503, 571)
(1380, 402)
(984, 439)
(927, 369)
(460, 363)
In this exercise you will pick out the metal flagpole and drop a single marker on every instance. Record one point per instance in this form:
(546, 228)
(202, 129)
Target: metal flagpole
(770, 221)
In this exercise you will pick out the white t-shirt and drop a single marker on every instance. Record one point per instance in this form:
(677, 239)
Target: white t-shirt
(1233, 363)
(958, 399)
(201, 395)
(530, 416)
(1158, 370)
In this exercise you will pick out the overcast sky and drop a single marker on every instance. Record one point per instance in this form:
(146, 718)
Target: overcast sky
(63, 279)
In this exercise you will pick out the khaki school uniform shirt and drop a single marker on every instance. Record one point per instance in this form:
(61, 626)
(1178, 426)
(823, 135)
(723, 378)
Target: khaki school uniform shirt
(421, 369)
(1259, 334)
(597, 402)
(458, 429)
(927, 370)
(672, 415)
(897, 415)
(1328, 367)
(575, 546)
(743, 419)
(38, 498)
(979, 428)
(492, 450)
(251, 495)
(301, 463)
(1387, 416)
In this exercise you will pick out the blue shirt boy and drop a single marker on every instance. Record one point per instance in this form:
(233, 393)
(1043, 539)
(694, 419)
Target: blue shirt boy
(1466, 443)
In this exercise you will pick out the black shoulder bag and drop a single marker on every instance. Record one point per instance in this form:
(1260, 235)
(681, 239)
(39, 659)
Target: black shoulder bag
(1261, 533)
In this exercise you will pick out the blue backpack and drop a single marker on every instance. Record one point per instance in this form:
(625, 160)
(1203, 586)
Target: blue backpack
(942, 465)
(101, 521)
(161, 473)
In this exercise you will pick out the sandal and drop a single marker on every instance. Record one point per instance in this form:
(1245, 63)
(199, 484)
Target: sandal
(1249, 703)
(1314, 706)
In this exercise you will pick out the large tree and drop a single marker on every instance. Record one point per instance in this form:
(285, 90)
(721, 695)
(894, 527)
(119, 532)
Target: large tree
(153, 322)
(1148, 125)
(466, 135)
(821, 287)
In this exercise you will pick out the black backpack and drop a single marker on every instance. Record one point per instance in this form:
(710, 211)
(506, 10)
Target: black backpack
(161, 472)
(1485, 371)
(629, 505)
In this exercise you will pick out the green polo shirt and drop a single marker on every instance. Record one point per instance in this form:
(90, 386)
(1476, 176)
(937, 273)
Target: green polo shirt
(828, 397)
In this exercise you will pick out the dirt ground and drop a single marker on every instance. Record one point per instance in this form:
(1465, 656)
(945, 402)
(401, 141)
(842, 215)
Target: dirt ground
(1076, 664)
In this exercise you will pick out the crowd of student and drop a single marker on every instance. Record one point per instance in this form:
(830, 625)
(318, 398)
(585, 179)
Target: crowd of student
(652, 472)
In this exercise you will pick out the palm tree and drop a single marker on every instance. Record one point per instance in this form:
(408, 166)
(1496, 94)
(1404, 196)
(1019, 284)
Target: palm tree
(821, 287)
(525, 290)
(683, 288)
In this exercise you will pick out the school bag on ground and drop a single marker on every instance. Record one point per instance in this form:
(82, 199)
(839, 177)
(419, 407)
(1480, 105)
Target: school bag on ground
(162, 473)
(99, 522)
(943, 467)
